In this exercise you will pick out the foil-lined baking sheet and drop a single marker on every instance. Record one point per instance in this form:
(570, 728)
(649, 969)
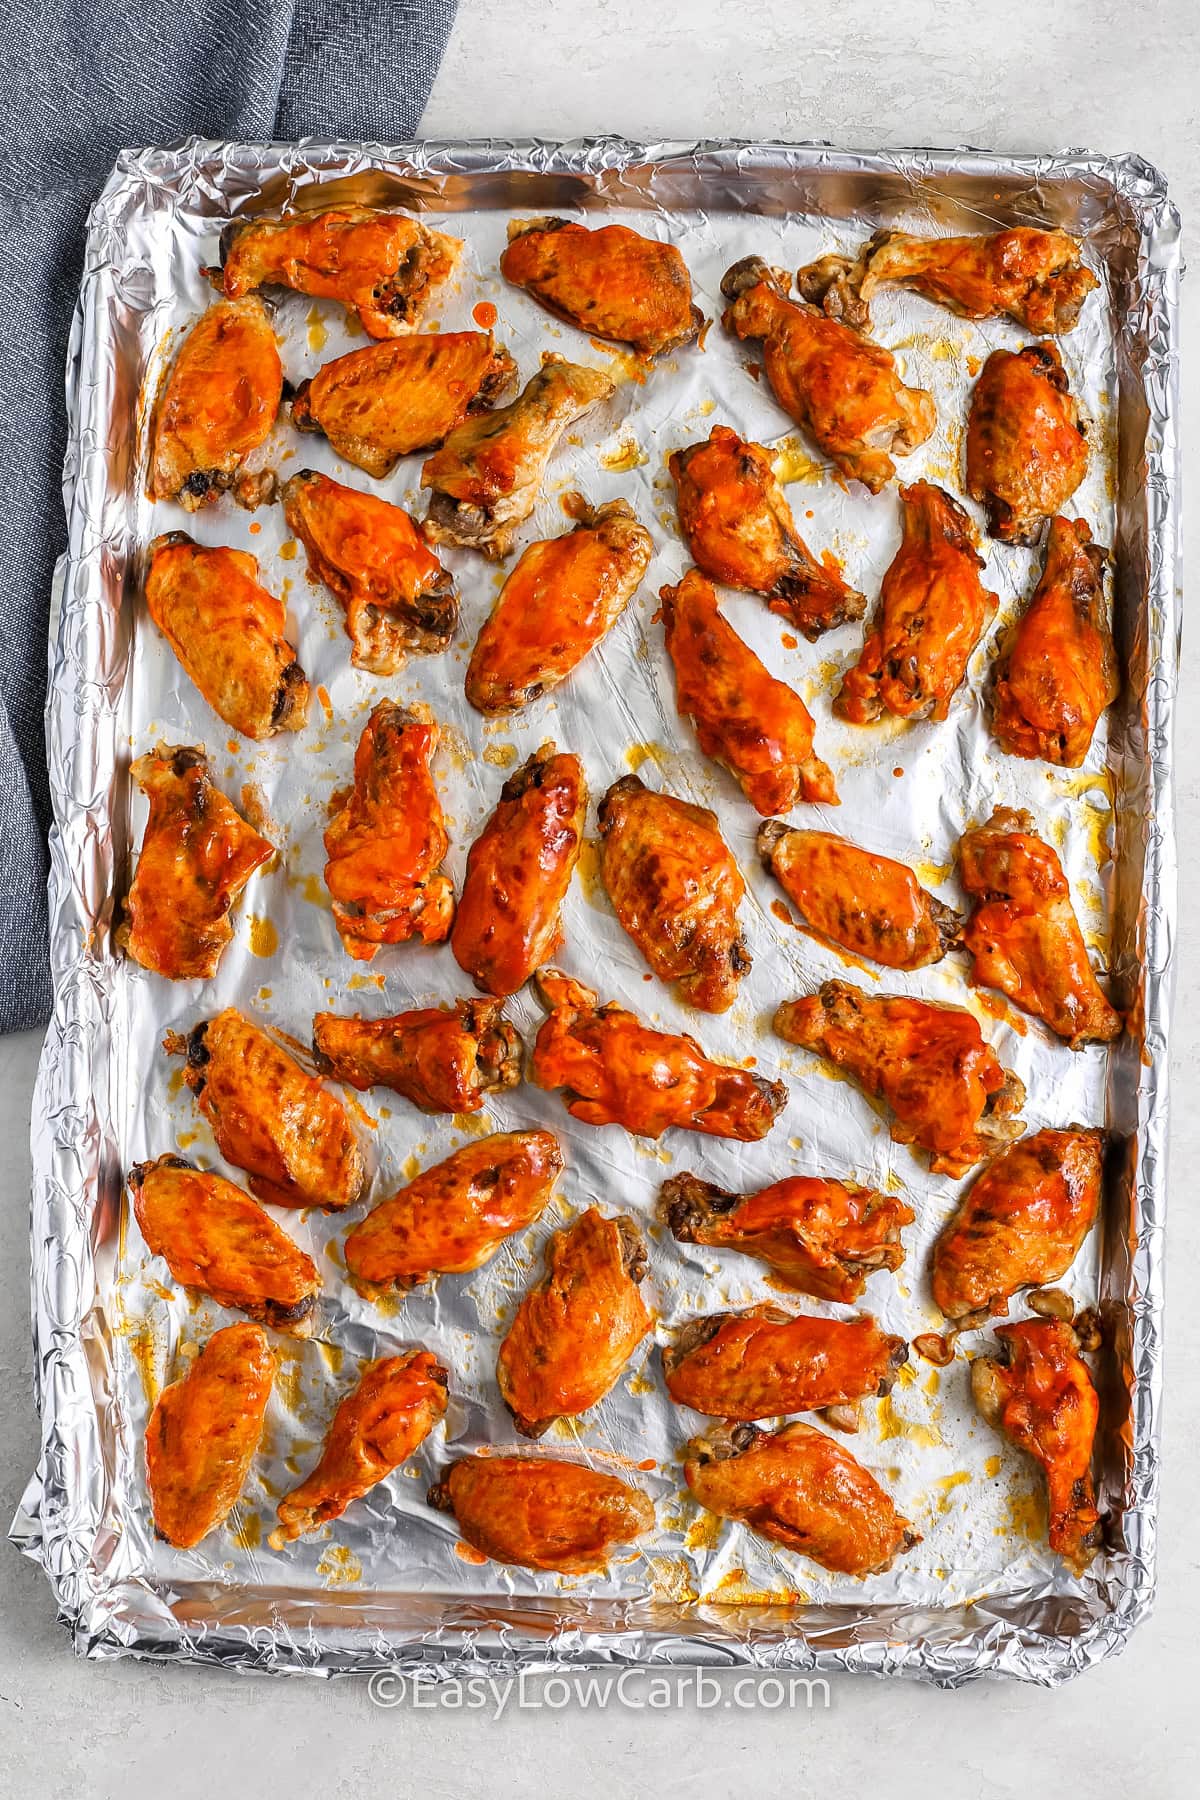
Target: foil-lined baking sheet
(388, 1583)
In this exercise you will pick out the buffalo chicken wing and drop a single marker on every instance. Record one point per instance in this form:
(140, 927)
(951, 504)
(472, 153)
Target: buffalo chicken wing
(539, 1513)
(217, 404)
(764, 1361)
(1027, 448)
(203, 1433)
(442, 1058)
(613, 283)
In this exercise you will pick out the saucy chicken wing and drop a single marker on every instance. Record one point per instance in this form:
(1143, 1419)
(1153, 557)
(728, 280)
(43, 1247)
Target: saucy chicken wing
(217, 404)
(518, 871)
(228, 632)
(613, 283)
(217, 1240)
(820, 1237)
(442, 1058)
(203, 1433)
(1023, 934)
(389, 400)
(945, 1087)
(540, 1513)
(933, 609)
(842, 390)
(486, 476)
(764, 1361)
(574, 1332)
(1027, 448)
(1057, 667)
(758, 727)
(387, 843)
(197, 855)
(676, 890)
(617, 1071)
(565, 594)
(456, 1215)
(1037, 1391)
(740, 530)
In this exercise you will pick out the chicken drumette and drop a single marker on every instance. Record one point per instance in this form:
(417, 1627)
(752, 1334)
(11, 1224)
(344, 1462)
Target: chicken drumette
(764, 1361)
(1027, 448)
(442, 1058)
(613, 283)
(217, 404)
(540, 1513)
(203, 1433)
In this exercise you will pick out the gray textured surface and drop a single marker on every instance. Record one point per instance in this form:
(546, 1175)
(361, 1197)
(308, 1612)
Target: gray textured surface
(996, 75)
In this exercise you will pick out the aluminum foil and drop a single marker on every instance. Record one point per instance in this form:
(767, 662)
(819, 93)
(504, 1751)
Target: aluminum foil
(387, 1583)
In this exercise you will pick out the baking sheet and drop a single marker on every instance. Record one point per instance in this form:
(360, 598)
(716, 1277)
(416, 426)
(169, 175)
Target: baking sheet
(386, 1582)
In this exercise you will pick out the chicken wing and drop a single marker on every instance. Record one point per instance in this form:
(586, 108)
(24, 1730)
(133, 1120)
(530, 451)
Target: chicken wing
(820, 1237)
(565, 594)
(1037, 1391)
(518, 871)
(842, 390)
(764, 1361)
(1057, 667)
(740, 530)
(617, 1071)
(445, 1059)
(486, 476)
(216, 405)
(676, 890)
(945, 1087)
(1021, 1224)
(269, 1116)
(389, 400)
(540, 1513)
(455, 1216)
(856, 900)
(217, 1240)
(933, 610)
(387, 843)
(613, 283)
(397, 596)
(203, 1433)
(379, 1424)
(382, 266)
(802, 1490)
(1023, 934)
(1027, 448)
(197, 855)
(228, 632)
(759, 728)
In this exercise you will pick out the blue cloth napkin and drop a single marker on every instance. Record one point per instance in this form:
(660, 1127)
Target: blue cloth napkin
(79, 82)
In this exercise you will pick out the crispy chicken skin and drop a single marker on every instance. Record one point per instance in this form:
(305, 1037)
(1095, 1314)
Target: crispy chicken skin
(946, 1089)
(617, 1071)
(387, 842)
(856, 900)
(378, 1425)
(1035, 277)
(842, 390)
(612, 282)
(455, 1215)
(1023, 934)
(486, 476)
(1037, 1391)
(445, 1059)
(217, 404)
(1027, 448)
(575, 1331)
(563, 596)
(740, 530)
(764, 1361)
(676, 889)
(397, 597)
(802, 1490)
(518, 871)
(382, 266)
(218, 1241)
(758, 727)
(228, 632)
(269, 1116)
(1020, 1225)
(540, 1513)
(820, 1237)
(197, 855)
(203, 1433)
(933, 609)
(390, 400)
(1057, 667)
